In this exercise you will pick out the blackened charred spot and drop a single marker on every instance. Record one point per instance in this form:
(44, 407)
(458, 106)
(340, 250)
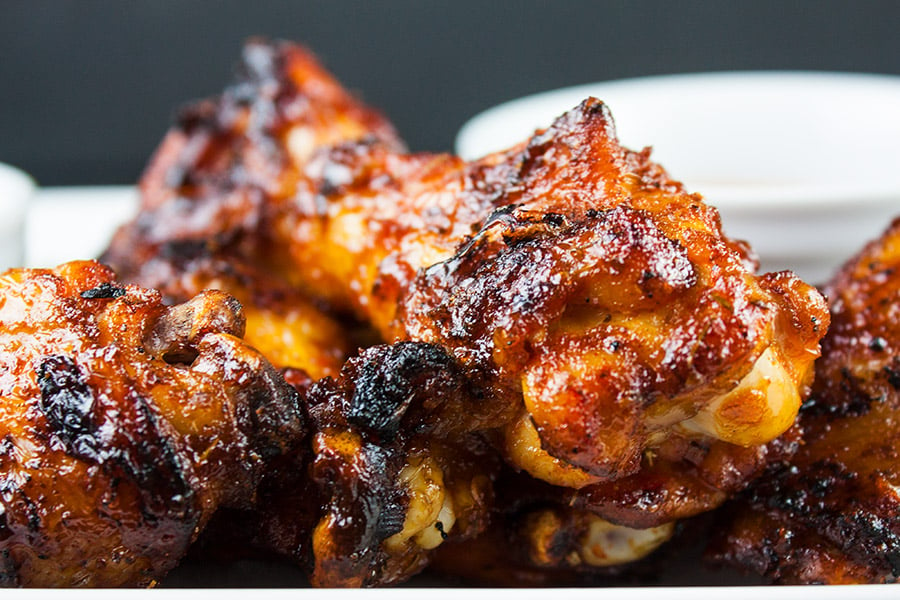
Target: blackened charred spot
(67, 403)
(104, 290)
(554, 219)
(155, 465)
(893, 376)
(390, 520)
(277, 412)
(19, 504)
(852, 401)
(878, 344)
(142, 453)
(440, 527)
(866, 535)
(5, 531)
(520, 237)
(389, 379)
(379, 401)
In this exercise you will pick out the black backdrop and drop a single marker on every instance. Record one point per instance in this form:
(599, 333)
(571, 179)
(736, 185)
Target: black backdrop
(88, 87)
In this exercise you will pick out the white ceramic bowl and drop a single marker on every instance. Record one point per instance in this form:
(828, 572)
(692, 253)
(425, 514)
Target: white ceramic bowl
(16, 189)
(803, 165)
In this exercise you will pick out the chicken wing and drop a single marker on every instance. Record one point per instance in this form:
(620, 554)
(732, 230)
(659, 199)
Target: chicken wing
(125, 425)
(203, 220)
(832, 513)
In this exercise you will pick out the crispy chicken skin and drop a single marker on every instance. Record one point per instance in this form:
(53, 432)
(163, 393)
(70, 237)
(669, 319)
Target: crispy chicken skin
(832, 513)
(203, 220)
(282, 323)
(125, 425)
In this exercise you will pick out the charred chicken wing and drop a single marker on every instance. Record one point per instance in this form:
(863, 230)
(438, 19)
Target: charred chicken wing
(125, 425)
(832, 513)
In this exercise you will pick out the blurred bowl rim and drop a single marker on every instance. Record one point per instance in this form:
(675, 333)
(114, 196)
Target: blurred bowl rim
(16, 188)
(469, 139)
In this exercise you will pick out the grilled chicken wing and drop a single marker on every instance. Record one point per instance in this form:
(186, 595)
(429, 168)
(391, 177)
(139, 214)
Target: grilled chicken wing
(536, 539)
(832, 513)
(125, 425)
(203, 220)
(397, 464)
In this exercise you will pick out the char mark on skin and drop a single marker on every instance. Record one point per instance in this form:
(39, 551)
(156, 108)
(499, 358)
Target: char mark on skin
(892, 373)
(867, 536)
(16, 501)
(390, 518)
(67, 404)
(387, 386)
(142, 452)
(554, 219)
(853, 401)
(154, 463)
(104, 290)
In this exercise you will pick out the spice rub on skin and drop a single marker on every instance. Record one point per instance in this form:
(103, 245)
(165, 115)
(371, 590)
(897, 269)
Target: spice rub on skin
(124, 425)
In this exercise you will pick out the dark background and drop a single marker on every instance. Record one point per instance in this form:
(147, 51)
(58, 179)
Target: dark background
(88, 88)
